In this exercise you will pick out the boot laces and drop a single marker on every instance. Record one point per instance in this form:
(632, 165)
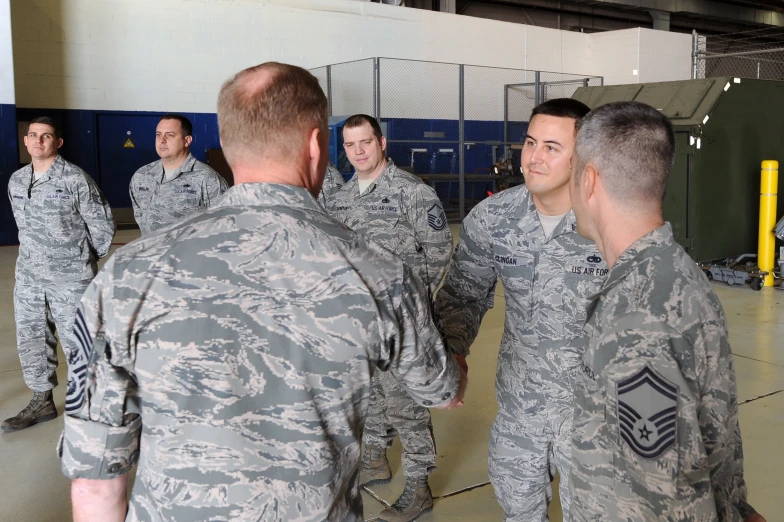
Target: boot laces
(35, 403)
(408, 496)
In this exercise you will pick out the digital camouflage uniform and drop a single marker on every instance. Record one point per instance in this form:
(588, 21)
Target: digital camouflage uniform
(65, 225)
(546, 285)
(232, 353)
(656, 433)
(333, 181)
(404, 215)
(158, 202)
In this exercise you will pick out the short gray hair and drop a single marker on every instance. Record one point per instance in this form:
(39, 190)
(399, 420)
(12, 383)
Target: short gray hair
(632, 145)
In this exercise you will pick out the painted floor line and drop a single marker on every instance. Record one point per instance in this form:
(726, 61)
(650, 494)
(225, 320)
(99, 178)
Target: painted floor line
(447, 495)
(758, 360)
(761, 396)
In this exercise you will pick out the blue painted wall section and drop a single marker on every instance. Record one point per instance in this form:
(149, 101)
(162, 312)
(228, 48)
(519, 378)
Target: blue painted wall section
(9, 162)
(95, 141)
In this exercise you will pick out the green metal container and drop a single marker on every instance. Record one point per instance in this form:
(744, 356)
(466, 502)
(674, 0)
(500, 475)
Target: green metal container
(724, 129)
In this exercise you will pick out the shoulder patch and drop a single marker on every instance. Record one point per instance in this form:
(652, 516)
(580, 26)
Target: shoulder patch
(436, 217)
(648, 413)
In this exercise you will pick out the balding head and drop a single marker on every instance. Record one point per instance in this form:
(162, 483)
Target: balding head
(268, 112)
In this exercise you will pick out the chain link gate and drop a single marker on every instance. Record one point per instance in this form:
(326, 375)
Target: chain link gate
(452, 125)
(758, 53)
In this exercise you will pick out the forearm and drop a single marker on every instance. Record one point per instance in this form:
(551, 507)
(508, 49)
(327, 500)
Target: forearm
(99, 500)
(460, 315)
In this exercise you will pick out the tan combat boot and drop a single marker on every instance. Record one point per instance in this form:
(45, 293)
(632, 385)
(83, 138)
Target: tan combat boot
(375, 467)
(416, 500)
(40, 409)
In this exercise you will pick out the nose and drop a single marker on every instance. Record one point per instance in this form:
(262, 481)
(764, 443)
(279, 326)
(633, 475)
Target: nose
(536, 156)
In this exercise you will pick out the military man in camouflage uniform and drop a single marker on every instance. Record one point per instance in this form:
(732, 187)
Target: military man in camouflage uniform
(65, 225)
(398, 211)
(231, 354)
(333, 181)
(178, 184)
(656, 434)
(526, 238)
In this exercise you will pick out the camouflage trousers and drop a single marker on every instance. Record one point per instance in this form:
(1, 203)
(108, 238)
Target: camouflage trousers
(38, 310)
(393, 412)
(528, 445)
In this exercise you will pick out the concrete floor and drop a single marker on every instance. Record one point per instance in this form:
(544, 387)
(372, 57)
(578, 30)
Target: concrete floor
(33, 488)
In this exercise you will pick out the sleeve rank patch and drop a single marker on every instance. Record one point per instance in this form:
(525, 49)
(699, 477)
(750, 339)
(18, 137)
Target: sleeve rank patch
(648, 413)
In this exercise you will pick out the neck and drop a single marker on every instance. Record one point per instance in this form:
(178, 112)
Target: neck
(272, 171)
(618, 232)
(42, 164)
(369, 176)
(553, 204)
(174, 163)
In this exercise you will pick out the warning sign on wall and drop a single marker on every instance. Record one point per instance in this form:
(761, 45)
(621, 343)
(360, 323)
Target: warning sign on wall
(129, 144)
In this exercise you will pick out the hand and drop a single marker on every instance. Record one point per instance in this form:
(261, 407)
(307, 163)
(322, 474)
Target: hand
(756, 517)
(457, 400)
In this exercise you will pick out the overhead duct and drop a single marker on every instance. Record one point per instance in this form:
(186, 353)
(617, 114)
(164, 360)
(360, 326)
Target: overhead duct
(706, 8)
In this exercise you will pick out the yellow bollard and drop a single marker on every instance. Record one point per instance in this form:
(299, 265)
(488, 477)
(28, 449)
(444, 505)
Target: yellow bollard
(767, 220)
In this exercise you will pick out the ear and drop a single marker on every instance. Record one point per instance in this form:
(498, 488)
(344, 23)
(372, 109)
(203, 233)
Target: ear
(25, 139)
(188, 141)
(60, 142)
(589, 181)
(317, 160)
(384, 143)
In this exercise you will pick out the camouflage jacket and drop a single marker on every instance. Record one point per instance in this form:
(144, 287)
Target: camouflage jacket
(231, 355)
(404, 215)
(656, 434)
(158, 202)
(333, 181)
(65, 223)
(546, 283)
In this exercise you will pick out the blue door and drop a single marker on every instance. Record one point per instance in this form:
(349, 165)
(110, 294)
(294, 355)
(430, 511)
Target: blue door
(118, 162)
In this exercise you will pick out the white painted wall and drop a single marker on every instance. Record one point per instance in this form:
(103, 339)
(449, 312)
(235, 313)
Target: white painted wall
(616, 54)
(664, 56)
(6, 55)
(173, 55)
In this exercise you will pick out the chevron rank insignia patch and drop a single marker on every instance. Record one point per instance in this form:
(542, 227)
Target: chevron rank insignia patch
(648, 413)
(436, 217)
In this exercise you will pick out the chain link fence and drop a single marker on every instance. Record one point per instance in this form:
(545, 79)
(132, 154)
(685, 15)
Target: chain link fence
(458, 127)
(758, 53)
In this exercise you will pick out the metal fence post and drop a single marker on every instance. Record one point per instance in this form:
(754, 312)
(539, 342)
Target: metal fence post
(694, 51)
(505, 138)
(537, 89)
(329, 90)
(377, 89)
(461, 138)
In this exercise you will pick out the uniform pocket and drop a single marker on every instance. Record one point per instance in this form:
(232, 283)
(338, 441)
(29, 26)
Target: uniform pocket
(18, 201)
(577, 291)
(58, 215)
(511, 379)
(516, 272)
(186, 202)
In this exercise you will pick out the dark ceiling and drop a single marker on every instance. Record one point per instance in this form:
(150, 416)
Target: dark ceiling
(704, 16)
